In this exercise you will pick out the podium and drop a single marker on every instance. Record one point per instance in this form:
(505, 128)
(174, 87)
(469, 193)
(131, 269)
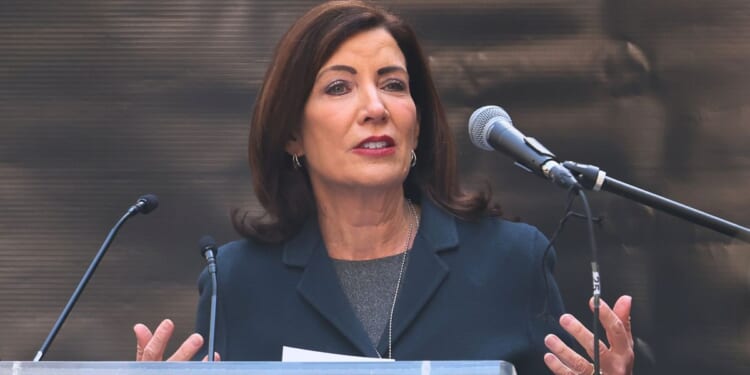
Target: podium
(258, 368)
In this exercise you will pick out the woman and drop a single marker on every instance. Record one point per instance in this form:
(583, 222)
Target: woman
(369, 246)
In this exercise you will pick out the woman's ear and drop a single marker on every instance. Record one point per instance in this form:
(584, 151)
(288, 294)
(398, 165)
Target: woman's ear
(294, 145)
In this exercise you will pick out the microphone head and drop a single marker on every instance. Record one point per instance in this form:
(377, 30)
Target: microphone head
(147, 203)
(479, 124)
(207, 243)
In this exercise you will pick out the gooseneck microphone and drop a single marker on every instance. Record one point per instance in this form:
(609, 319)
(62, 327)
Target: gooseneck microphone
(143, 205)
(490, 128)
(208, 249)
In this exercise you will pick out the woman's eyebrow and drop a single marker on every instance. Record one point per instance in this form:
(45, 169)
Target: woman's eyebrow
(346, 68)
(341, 68)
(391, 69)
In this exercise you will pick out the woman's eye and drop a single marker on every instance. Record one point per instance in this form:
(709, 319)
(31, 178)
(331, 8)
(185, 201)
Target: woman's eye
(337, 88)
(395, 85)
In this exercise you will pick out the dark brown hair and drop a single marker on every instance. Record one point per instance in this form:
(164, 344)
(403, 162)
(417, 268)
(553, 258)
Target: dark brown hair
(284, 191)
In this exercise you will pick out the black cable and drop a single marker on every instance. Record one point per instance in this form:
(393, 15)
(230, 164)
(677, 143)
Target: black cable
(567, 214)
(596, 281)
(558, 230)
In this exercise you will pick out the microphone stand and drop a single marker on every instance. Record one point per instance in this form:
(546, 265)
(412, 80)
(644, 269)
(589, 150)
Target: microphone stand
(593, 178)
(209, 251)
(212, 325)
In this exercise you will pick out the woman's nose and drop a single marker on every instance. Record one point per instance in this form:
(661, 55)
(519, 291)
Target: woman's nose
(373, 108)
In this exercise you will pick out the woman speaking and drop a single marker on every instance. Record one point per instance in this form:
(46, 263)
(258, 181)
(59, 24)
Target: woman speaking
(368, 245)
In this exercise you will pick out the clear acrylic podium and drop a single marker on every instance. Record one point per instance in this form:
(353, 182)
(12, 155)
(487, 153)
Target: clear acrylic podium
(258, 368)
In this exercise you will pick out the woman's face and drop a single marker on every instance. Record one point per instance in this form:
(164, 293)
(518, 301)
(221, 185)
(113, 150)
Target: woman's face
(360, 121)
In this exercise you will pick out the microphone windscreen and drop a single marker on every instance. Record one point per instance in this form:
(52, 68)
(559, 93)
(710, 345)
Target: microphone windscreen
(207, 243)
(478, 125)
(148, 203)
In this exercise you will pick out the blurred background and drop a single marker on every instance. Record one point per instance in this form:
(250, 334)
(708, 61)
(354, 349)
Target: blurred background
(103, 101)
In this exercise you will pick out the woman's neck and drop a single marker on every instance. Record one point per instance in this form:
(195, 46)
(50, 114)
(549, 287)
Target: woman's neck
(365, 225)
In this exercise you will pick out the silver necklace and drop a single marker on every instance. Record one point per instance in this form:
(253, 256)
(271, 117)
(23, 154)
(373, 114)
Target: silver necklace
(412, 224)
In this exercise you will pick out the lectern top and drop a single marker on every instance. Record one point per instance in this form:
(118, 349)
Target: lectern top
(259, 368)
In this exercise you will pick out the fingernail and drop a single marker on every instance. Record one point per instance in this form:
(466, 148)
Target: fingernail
(549, 358)
(196, 340)
(551, 341)
(628, 298)
(565, 320)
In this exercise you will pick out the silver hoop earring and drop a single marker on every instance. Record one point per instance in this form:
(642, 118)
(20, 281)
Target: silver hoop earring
(413, 158)
(295, 162)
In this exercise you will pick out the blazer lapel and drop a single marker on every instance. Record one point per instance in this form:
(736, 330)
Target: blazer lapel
(425, 270)
(319, 286)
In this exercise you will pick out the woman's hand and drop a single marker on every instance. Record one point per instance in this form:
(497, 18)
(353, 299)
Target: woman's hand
(151, 346)
(617, 359)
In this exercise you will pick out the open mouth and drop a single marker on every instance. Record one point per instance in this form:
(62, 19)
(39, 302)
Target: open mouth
(376, 143)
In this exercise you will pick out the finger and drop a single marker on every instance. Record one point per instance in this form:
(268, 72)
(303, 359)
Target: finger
(567, 356)
(187, 350)
(154, 350)
(217, 357)
(142, 337)
(556, 366)
(622, 309)
(618, 336)
(581, 334)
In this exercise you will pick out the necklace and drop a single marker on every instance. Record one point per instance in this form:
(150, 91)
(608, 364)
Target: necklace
(412, 224)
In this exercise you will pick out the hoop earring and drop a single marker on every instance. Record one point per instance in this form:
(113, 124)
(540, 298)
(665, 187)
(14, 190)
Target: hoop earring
(413, 158)
(295, 162)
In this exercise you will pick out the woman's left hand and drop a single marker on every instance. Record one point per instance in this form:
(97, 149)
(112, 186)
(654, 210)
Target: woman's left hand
(617, 359)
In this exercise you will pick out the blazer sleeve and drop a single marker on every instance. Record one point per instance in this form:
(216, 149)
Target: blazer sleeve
(545, 304)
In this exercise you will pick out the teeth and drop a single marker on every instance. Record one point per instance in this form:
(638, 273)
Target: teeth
(374, 145)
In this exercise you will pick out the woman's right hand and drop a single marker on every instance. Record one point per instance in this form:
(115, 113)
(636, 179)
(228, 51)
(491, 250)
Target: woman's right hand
(151, 346)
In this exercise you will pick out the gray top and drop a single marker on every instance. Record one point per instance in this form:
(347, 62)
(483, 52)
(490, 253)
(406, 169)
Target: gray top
(369, 285)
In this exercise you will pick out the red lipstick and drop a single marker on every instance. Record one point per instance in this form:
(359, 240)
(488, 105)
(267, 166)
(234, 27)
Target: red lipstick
(379, 145)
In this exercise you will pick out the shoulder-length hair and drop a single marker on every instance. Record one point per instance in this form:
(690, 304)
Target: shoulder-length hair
(284, 191)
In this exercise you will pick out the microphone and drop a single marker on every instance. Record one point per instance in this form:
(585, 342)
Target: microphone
(490, 128)
(208, 249)
(207, 246)
(144, 205)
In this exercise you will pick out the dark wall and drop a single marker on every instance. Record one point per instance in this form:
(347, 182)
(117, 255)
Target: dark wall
(103, 101)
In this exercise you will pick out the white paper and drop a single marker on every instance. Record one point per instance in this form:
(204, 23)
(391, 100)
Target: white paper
(291, 354)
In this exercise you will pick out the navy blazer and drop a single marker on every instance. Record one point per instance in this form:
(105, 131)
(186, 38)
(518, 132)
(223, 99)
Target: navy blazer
(471, 291)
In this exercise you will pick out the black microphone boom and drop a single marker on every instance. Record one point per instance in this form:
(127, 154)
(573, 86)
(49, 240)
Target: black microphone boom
(490, 128)
(144, 205)
(593, 178)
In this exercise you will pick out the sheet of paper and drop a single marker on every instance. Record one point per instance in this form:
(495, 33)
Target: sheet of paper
(291, 354)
